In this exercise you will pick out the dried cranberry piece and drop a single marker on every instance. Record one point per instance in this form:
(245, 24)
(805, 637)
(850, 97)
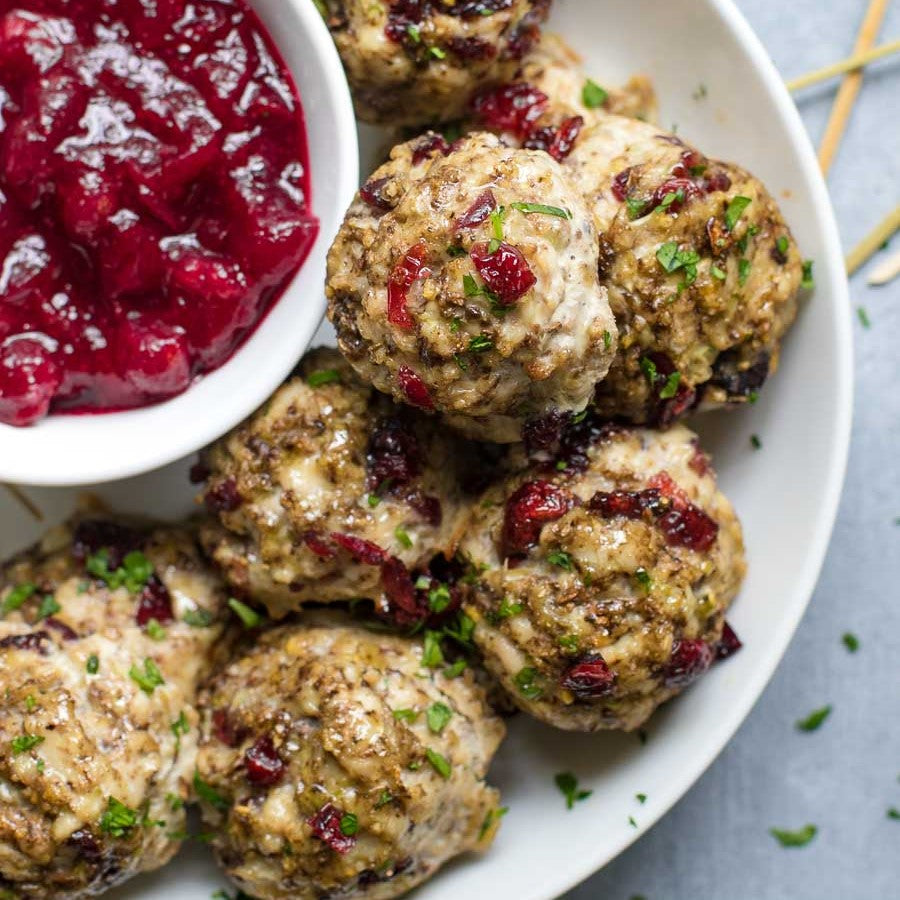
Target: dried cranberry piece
(620, 185)
(505, 271)
(223, 497)
(527, 31)
(263, 764)
(199, 472)
(531, 507)
(717, 181)
(86, 844)
(428, 145)
(629, 504)
(403, 606)
(414, 389)
(411, 267)
(360, 549)
(511, 107)
(427, 506)
(224, 729)
(155, 603)
(590, 678)
(559, 141)
(60, 627)
(690, 658)
(699, 462)
(318, 546)
(34, 640)
(737, 381)
(578, 438)
(371, 193)
(471, 48)
(670, 408)
(326, 826)
(688, 188)
(470, 9)
(485, 203)
(93, 535)
(728, 644)
(544, 433)
(393, 457)
(689, 527)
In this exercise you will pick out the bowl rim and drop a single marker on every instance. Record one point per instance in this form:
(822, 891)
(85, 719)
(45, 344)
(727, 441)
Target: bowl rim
(85, 462)
(832, 268)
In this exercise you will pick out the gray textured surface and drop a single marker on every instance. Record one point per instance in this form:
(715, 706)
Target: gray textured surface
(715, 844)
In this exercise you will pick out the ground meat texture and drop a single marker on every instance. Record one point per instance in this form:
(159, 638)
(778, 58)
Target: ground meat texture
(703, 284)
(560, 91)
(417, 62)
(382, 764)
(324, 485)
(615, 601)
(473, 291)
(97, 706)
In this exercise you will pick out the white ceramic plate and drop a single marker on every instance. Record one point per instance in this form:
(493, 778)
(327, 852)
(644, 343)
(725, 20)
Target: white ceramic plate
(786, 493)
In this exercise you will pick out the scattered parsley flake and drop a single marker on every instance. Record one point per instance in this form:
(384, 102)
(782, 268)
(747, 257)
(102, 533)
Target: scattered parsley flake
(632, 822)
(480, 344)
(93, 664)
(863, 315)
(569, 643)
(701, 92)
(669, 199)
(323, 376)
(198, 618)
(373, 500)
(456, 669)
(497, 217)
(643, 578)
(542, 209)
(670, 388)
(755, 441)
(851, 641)
(438, 762)
(525, 680)
(175, 802)
(155, 631)
(438, 715)
(49, 607)
(814, 720)
(349, 824)
(209, 794)
(432, 655)
(636, 206)
(561, 559)
(492, 816)
(26, 742)
(568, 785)
(893, 813)
(133, 574)
(648, 367)
(782, 245)
(118, 819)
(641, 798)
(250, 618)
(438, 52)
(17, 596)
(439, 598)
(592, 95)
(718, 273)
(403, 538)
(384, 799)
(607, 343)
(148, 680)
(414, 34)
(735, 210)
(799, 838)
(406, 715)
(807, 282)
(744, 267)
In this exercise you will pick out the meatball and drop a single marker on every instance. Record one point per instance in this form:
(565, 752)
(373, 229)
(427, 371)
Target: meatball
(415, 62)
(600, 575)
(333, 762)
(331, 492)
(106, 633)
(466, 284)
(551, 100)
(702, 271)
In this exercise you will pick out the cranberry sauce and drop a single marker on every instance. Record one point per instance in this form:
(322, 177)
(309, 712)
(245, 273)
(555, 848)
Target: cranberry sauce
(154, 197)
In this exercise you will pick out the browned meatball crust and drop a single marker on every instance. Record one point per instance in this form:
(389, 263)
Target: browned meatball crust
(334, 762)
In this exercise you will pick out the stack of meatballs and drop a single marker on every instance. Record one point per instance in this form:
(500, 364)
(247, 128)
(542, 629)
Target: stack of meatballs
(483, 502)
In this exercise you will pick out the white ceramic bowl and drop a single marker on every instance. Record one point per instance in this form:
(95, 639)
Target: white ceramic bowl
(786, 493)
(84, 449)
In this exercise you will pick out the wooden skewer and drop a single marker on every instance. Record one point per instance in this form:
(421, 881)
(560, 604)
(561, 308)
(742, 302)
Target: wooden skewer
(886, 271)
(849, 90)
(20, 496)
(872, 241)
(850, 64)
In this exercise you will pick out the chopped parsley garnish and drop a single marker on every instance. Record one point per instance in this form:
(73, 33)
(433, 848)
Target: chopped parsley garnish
(807, 282)
(198, 618)
(542, 209)
(133, 574)
(863, 315)
(607, 342)
(148, 680)
(49, 607)
(799, 838)
(480, 344)
(672, 259)
(180, 727)
(209, 794)
(439, 598)
(735, 210)
(439, 763)
(30, 703)
(432, 655)
(569, 643)
(561, 559)
(643, 578)
(815, 719)
(462, 631)
(636, 206)
(155, 631)
(632, 822)
(349, 824)
(497, 217)
(175, 802)
(323, 376)
(506, 610)
(406, 715)
(568, 785)
(641, 798)
(755, 442)
(454, 251)
(718, 273)
(669, 199)
(744, 267)
(471, 288)
(456, 669)
(384, 799)
(403, 538)
(893, 813)
(439, 714)
(670, 388)
(118, 819)
(93, 664)
(851, 641)
(648, 367)
(250, 618)
(525, 680)
(26, 742)
(492, 815)
(782, 245)
(414, 34)
(17, 596)
(592, 95)
(438, 52)
(373, 500)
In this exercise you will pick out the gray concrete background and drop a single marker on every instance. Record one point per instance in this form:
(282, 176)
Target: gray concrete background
(714, 845)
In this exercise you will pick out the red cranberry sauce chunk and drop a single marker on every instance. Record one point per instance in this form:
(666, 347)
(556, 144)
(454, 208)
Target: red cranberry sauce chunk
(155, 602)
(505, 271)
(154, 197)
(589, 678)
(262, 763)
(512, 107)
(407, 271)
(326, 826)
(690, 658)
(531, 507)
(414, 389)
